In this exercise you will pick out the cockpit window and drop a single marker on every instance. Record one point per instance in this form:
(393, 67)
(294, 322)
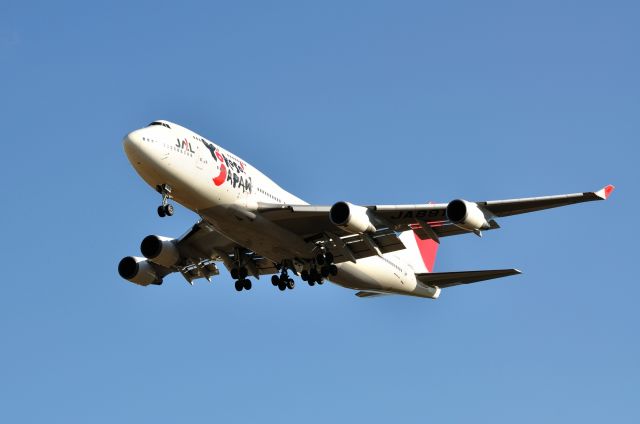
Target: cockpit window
(159, 123)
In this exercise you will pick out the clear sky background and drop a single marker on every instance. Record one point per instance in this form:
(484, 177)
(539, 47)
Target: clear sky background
(370, 102)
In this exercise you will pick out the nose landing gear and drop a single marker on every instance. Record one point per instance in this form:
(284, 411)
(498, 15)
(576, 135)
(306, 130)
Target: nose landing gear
(166, 208)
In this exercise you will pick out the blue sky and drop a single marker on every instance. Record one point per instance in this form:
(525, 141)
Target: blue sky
(370, 102)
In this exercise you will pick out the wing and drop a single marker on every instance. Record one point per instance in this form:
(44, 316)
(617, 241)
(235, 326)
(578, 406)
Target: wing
(429, 221)
(202, 246)
(450, 279)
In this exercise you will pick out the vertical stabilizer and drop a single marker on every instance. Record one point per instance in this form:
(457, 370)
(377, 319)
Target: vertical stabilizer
(420, 254)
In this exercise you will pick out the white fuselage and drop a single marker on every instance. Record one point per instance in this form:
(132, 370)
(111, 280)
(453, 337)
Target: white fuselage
(225, 191)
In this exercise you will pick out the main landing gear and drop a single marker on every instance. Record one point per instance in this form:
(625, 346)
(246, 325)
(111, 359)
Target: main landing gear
(312, 277)
(166, 208)
(240, 275)
(283, 281)
(327, 267)
(245, 284)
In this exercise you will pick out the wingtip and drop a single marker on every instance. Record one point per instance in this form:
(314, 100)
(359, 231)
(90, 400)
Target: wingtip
(605, 192)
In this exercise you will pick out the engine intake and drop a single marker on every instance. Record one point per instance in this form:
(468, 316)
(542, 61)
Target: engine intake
(466, 215)
(352, 218)
(160, 250)
(138, 270)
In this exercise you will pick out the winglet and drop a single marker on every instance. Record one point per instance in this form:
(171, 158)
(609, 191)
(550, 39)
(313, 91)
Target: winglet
(605, 192)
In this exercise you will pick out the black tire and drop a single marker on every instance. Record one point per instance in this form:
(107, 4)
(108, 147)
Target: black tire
(168, 209)
(333, 270)
(324, 271)
(291, 284)
(304, 275)
(321, 281)
(242, 272)
(161, 213)
(275, 280)
(234, 273)
(329, 257)
(314, 275)
(282, 286)
(311, 283)
(246, 284)
(320, 259)
(239, 285)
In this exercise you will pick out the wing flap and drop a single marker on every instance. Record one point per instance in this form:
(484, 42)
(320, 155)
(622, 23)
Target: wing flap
(450, 279)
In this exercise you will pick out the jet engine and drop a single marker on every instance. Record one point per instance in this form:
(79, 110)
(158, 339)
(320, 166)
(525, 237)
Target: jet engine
(466, 215)
(138, 270)
(160, 250)
(352, 218)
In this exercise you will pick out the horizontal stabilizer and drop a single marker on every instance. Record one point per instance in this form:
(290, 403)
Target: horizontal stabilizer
(370, 294)
(450, 279)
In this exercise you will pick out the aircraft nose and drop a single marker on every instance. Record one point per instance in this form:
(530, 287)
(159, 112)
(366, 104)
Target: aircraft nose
(137, 148)
(132, 140)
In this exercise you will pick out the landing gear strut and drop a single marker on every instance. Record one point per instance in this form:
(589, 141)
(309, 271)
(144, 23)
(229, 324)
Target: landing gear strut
(239, 273)
(166, 208)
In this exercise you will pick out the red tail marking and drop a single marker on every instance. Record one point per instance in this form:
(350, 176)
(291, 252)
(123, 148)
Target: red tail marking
(607, 190)
(428, 249)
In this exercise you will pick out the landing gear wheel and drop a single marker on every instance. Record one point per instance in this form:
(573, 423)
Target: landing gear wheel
(246, 284)
(282, 286)
(239, 285)
(290, 284)
(333, 270)
(321, 281)
(165, 209)
(314, 275)
(320, 259)
(234, 273)
(311, 283)
(328, 257)
(275, 280)
(242, 272)
(304, 275)
(324, 271)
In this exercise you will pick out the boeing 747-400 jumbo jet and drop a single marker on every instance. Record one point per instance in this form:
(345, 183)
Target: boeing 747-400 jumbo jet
(256, 228)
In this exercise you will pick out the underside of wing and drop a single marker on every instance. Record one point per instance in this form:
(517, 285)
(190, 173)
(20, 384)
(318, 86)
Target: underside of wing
(429, 221)
(202, 245)
(450, 279)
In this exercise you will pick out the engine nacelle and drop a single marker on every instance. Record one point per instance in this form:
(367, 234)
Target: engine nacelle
(138, 270)
(352, 218)
(160, 250)
(466, 215)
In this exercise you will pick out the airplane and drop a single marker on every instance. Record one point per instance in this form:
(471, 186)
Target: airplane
(255, 228)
